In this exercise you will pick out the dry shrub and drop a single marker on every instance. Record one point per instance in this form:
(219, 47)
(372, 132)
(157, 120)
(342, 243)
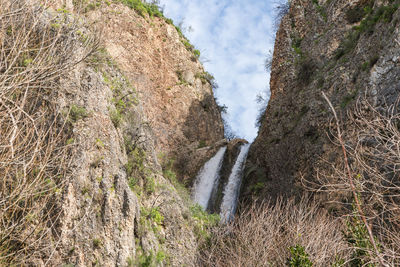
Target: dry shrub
(36, 49)
(262, 234)
(373, 149)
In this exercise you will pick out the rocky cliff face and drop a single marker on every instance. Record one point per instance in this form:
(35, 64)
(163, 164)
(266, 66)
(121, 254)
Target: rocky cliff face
(173, 86)
(131, 104)
(348, 49)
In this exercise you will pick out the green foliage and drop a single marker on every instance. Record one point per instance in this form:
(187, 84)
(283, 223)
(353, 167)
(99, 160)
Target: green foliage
(207, 77)
(132, 182)
(154, 215)
(367, 25)
(144, 260)
(99, 143)
(296, 45)
(348, 44)
(320, 9)
(167, 165)
(305, 65)
(135, 167)
(355, 14)
(196, 53)
(203, 221)
(77, 113)
(188, 45)
(96, 243)
(202, 144)
(116, 117)
(364, 66)
(370, 63)
(299, 257)
(147, 259)
(256, 188)
(143, 8)
(348, 98)
(160, 256)
(27, 62)
(122, 101)
(150, 184)
(185, 41)
(357, 236)
(181, 79)
(339, 262)
(306, 69)
(70, 141)
(179, 30)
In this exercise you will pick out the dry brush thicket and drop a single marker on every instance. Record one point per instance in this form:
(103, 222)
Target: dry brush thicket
(373, 175)
(367, 182)
(37, 47)
(263, 233)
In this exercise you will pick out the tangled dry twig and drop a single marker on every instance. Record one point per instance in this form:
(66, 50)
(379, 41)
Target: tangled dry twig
(36, 49)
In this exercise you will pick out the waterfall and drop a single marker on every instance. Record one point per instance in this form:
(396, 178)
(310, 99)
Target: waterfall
(207, 178)
(231, 191)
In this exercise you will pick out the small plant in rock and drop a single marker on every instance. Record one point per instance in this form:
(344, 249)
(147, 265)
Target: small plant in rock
(202, 144)
(355, 14)
(196, 52)
(77, 113)
(97, 243)
(306, 69)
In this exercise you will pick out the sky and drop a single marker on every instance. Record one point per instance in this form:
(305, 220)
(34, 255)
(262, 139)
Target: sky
(234, 38)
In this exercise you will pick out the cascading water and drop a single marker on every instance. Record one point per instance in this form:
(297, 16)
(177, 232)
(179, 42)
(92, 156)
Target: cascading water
(206, 179)
(231, 191)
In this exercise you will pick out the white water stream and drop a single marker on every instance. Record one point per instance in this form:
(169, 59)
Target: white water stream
(231, 192)
(206, 179)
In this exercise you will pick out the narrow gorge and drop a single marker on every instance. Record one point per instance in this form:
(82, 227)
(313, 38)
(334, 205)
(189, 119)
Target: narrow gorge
(114, 150)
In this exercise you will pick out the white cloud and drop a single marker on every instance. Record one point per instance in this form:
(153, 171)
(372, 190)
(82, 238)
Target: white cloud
(234, 36)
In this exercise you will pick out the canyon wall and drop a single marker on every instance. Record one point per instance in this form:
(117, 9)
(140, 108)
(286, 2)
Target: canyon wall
(348, 49)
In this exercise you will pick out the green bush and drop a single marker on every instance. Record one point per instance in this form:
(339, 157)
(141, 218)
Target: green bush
(116, 117)
(348, 44)
(348, 98)
(203, 221)
(299, 257)
(202, 144)
(77, 113)
(96, 243)
(160, 256)
(196, 52)
(357, 236)
(358, 12)
(364, 66)
(143, 8)
(306, 69)
(367, 25)
(355, 14)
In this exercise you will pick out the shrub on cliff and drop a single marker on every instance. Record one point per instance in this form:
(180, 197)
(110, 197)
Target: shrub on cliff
(144, 8)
